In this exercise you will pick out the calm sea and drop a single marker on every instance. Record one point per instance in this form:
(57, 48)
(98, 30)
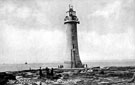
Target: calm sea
(19, 67)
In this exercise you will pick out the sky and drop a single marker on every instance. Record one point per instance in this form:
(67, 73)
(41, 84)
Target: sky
(34, 31)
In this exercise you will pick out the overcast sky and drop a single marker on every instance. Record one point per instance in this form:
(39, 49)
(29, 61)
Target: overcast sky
(33, 30)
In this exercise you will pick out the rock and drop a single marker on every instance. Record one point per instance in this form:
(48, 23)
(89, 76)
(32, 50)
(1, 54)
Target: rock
(60, 81)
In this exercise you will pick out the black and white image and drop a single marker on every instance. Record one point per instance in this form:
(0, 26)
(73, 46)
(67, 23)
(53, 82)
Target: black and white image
(67, 42)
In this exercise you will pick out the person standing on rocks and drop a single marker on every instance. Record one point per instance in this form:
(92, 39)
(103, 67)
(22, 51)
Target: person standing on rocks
(40, 72)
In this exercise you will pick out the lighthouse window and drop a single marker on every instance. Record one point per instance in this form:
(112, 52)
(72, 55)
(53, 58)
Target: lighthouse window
(74, 18)
(73, 38)
(73, 46)
(70, 13)
(72, 30)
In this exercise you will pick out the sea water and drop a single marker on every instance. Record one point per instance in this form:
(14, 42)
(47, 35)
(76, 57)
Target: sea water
(19, 67)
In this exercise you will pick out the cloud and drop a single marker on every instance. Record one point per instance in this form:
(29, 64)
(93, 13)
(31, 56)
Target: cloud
(109, 10)
(33, 30)
(33, 45)
(32, 14)
(107, 46)
(112, 17)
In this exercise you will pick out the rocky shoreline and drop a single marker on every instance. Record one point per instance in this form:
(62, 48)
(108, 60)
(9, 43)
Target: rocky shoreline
(60, 76)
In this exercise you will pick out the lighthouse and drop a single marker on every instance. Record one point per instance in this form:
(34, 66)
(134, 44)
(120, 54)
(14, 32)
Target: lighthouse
(72, 58)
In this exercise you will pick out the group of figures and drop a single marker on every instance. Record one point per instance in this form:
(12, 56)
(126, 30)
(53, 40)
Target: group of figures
(49, 72)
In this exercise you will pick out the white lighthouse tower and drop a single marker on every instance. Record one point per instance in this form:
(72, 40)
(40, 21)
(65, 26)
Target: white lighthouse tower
(72, 58)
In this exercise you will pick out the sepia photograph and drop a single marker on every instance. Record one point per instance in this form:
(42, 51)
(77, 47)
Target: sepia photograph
(67, 42)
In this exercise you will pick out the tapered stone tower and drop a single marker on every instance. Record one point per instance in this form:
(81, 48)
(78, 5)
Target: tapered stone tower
(72, 58)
